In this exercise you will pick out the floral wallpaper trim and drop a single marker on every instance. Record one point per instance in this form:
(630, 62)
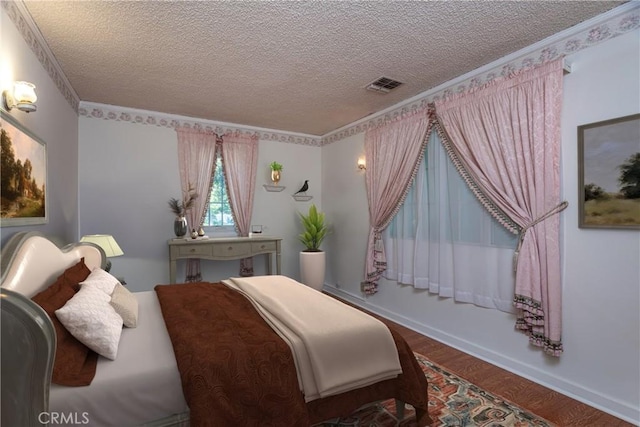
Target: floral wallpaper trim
(604, 27)
(152, 118)
(32, 36)
(619, 21)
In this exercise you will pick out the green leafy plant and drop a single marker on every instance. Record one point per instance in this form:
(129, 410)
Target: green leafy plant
(275, 166)
(315, 229)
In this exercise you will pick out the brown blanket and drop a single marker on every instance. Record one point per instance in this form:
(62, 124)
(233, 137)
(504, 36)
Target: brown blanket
(236, 370)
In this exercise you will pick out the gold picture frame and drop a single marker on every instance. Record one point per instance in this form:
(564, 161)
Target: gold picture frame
(23, 182)
(609, 174)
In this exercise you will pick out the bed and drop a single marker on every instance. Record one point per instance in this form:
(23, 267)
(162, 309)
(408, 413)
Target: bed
(144, 384)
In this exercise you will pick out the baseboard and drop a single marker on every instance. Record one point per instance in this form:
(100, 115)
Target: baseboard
(575, 391)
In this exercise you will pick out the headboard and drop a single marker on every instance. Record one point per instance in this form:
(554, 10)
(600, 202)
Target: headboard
(29, 263)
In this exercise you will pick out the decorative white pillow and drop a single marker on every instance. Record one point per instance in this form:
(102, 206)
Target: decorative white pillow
(102, 280)
(126, 305)
(90, 318)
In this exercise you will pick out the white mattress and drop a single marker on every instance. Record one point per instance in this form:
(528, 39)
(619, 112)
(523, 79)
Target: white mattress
(141, 385)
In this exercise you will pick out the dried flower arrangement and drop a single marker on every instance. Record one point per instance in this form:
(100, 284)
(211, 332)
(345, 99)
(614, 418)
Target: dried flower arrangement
(180, 208)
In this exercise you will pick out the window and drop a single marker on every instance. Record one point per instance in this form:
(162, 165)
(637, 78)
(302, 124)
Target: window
(443, 239)
(218, 213)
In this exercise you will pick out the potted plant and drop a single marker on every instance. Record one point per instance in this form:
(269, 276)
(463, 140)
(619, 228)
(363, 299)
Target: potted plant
(312, 258)
(276, 168)
(180, 208)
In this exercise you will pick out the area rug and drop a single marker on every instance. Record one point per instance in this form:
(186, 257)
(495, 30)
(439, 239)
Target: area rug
(453, 401)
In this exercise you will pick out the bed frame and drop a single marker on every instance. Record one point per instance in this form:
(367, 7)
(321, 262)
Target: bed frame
(29, 263)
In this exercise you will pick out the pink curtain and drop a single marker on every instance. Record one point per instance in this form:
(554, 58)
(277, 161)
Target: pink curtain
(196, 162)
(505, 140)
(393, 152)
(240, 165)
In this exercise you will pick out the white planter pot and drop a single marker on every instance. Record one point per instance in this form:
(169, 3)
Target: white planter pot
(312, 267)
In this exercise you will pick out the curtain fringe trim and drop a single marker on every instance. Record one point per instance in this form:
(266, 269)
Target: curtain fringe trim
(495, 212)
(414, 172)
(529, 304)
(371, 286)
(531, 321)
(194, 278)
(553, 348)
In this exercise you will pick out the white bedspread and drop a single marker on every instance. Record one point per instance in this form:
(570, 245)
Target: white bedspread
(337, 348)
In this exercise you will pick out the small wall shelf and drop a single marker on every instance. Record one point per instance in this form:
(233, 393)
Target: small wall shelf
(273, 188)
(302, 198)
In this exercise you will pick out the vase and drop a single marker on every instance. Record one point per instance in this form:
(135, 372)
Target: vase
(275, 177)
(312, 268)
(180, 226)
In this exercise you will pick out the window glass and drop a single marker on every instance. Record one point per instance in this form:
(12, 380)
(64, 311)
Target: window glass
(218, 213)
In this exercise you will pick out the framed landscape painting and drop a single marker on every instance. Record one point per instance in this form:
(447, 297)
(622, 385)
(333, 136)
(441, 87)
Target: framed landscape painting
(23, 170)
(609, 173)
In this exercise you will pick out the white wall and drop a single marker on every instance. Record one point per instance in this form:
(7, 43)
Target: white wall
(602, 267)
(128, 172)
(601, 304)
(55, 122)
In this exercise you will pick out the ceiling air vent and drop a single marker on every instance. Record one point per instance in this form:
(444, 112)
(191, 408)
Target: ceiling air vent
(383, 85)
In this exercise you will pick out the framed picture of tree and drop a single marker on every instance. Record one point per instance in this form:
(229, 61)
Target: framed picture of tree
(609, 173)
(23, 175)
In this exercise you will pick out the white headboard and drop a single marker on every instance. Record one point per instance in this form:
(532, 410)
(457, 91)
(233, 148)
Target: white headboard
(31, 262)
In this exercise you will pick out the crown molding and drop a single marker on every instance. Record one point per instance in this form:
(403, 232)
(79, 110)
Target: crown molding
(589, 33)
(94, 110)
(23, 21)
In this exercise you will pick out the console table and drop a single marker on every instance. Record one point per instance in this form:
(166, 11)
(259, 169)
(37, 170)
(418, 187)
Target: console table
(220, 249)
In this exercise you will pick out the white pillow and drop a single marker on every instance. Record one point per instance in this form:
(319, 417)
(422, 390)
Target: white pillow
(126, 305)
(90, 318)
(102, 280)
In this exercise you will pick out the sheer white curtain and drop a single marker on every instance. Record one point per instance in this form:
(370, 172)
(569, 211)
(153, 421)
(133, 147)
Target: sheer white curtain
(442, 239)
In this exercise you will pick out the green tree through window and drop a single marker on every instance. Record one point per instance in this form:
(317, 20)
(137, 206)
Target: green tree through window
(218, 213)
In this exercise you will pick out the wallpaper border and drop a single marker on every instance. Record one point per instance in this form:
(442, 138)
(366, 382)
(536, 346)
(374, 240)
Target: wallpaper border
(589, 33)
(604, 27)
(152, 118)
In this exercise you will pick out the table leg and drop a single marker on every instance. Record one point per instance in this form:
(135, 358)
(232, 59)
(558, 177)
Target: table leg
(172, 271)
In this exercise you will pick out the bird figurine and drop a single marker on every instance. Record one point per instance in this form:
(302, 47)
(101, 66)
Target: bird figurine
(304, 188)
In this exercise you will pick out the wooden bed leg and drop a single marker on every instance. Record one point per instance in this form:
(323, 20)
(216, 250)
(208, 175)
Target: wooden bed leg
(399, 410)
(422, 417)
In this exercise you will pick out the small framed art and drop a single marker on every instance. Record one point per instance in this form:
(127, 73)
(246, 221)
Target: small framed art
(23, 170)
(609, 173)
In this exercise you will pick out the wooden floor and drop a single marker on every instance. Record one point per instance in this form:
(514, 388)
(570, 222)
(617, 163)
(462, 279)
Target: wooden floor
(551, 405)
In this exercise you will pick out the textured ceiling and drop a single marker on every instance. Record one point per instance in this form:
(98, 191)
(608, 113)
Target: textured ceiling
(292, 66)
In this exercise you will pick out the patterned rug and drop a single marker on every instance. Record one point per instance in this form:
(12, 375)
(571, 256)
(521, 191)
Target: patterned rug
(453, 401)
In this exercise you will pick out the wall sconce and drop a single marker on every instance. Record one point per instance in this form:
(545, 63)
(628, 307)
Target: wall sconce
(22, 95)
(107, 243)
(362, 163)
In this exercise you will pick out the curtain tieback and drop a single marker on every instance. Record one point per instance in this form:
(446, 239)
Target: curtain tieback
(556, 209)
(377, 240)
